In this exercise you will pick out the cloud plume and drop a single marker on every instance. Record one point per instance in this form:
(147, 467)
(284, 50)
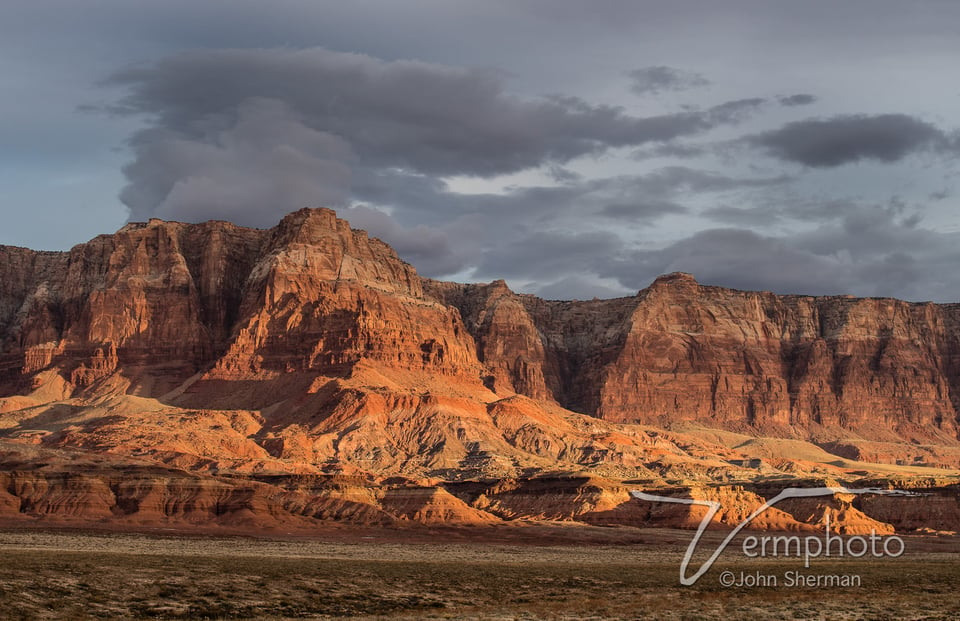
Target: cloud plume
(826, 143)
(251, 134)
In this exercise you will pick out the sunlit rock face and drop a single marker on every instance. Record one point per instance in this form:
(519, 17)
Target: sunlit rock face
(312, 350)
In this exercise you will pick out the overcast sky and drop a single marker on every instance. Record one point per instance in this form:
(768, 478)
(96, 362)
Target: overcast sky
(576, 149)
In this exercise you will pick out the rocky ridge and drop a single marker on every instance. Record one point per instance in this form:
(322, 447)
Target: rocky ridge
(312, 350)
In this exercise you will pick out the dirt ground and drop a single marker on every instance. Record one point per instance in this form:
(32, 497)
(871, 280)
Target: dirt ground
(495, 574)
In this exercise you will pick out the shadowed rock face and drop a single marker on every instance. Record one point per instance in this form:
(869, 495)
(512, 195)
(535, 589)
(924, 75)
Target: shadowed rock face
(335, 353)
(151, 293)
(787, 366)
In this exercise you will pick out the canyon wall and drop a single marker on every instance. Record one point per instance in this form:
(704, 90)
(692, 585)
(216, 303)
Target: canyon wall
(215, 315)
(790, 366)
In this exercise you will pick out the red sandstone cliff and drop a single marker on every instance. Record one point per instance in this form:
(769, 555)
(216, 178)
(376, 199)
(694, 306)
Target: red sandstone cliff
(790, 366)
(311, 349)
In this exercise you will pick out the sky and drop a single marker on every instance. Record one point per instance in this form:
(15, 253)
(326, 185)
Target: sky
(576, 149)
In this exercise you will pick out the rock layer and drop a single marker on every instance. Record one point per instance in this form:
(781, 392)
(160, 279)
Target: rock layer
(789, 366)
(311, 348)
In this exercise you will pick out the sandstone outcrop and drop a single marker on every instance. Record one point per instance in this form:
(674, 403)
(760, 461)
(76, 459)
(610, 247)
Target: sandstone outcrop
(823, 369)
(73, 487)
(313, 350)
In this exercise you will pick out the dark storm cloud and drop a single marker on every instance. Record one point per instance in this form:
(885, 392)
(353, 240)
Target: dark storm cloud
(563, 175)
(672, 179)
(640, 208)
(647, 80)
(824, 143)
(871, 251)
(777, 206)
(248, 135)
(546, 256)
(429, 248)
(800, 99)
(740, 259)
(308, 121)
(862, 250)
(580, 287)
(641, 198)
(259, 166)
(871, 230)
(526, 234)
(432, 118)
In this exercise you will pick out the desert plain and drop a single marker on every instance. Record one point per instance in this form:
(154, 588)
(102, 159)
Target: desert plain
(537, 571)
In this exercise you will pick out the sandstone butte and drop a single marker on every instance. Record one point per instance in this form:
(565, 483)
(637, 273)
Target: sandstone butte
(209, 374)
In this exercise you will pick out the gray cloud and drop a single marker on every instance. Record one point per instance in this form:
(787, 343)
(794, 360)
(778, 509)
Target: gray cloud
(251, 134)
(642, 209)
(640, 198)
(824, 143)
(581, 287)
(741, 259)
(682, 178)
(248, 135)
(548, 256)
(429, 248)
(776, 207)
(455, 120)
(563, 175)
(263, 164)
(743, 216)
(732, 112)
(870, 251)
(660, 78)
(494, 231)
(678, 150)
(526, 234)
(861, 249)
(800, 99)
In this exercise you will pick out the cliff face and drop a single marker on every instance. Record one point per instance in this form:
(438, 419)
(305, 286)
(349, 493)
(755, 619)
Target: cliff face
(678, 352)
(163, 301)
(322, 297)
(787, 363)
(336, 354)
(152, 294)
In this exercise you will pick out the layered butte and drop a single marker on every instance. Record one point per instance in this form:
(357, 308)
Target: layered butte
(312, 350)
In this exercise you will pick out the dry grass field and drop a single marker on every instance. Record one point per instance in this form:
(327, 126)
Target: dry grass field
(606, 574)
